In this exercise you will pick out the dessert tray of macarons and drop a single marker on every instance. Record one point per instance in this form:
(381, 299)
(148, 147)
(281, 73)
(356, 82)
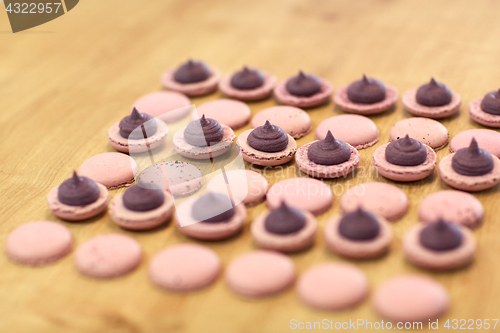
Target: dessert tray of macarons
(175, 165)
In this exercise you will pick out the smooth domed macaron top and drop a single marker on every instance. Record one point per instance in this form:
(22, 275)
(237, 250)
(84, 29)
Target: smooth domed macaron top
(406, 152)
(303, 85)
(441, 236)
(285, 220)
(143, 197)
(204, 131)
(247, 78)
(491, 103)
(191, 72)
(433, 94)
(78, 191)
(472, 160)
(329, 151)
(268, 138)
(213, 208)
(136, 119)
(366, 91)
(359, 225)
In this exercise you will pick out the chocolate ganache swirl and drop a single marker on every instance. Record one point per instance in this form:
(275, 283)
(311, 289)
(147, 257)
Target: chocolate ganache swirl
(472, 160)
(329, 151)
(145, 124)
(359, 225)
(192, 72)
(268, 138)
(203, 132)
(366, 91)
(303, 85)
(247, 78)
(78, 191)
(491, 103)
(406, 152)
(140, 198)
(213, 208)
(284, 220)
(441, 236)
(433, 94)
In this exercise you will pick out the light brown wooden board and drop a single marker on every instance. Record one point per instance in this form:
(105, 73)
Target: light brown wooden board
(64, 83)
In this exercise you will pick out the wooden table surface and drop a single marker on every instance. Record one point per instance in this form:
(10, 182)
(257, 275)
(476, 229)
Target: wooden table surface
(64, 83)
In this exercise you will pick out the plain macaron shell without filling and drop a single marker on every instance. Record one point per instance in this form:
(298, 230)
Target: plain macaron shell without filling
(356, 130)
(292, 120)
(234, 114)
(428, 131)
(113, 170)
(169, 106)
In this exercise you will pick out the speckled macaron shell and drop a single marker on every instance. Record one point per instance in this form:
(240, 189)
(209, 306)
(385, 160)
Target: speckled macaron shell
(234, 114)
(39, 243)
(262, 158)
(341, 99)
(404, 173)
(453, 206)
(108, 256)
(169, 106)
(468, 183)
(435, 112)
(325, 171)
(126, 145)
(185, 268)
(293, 242)
(481, 117)
(333, 286)
(78, 213)
(192, 89)
(246, 186)
(358, 131)
(486, 139)
(179, 178)
(411, 298)
(420, 256)
(256, 94)
(428, 131)
(308, 194)
(190, 227)
(366, 249)
(133, 220)
(113, 170)
(202, 153)
(294, 121)
(260, 273)
(382, 199)
(284, 97)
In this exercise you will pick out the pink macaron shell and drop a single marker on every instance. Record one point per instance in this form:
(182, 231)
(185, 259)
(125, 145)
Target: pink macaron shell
(468, 183)
(488, 140)
(134, 220)
(185, 268)
(366, 249)
(39, 243)
(108, 256)
(294, 121)
(113, 170)
(284, 97)
(201, 153)
(420, 256)
(262, 158)
(341, 99)
(246, 186)
(325, 171)
(77, 213)
(435, 112)
(260, 273)
(256, 94)
(428, 131)
(169, 106)
(293, 242)
(404, 173)
(192, 89)
(126, 145)
(411, 298)
(304, 193)
(333, 286)
(453, 206)
(234, 114)
(481, 117)
(358, 131)
(190, 227)
(383, 199)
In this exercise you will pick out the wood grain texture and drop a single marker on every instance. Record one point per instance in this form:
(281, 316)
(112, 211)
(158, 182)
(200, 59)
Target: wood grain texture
(64, 83)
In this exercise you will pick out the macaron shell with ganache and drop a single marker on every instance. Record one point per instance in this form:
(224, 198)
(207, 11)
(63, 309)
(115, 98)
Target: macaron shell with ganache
(192, 89)
(481, 117)
(428, 131)
(113, 170)
(169, 106)
(262, 158)
(488, 140)
(127, 145)
(292, 120)
(284, 97)
(234, 114)
(255, 94)
(435, 112)
(340, 98)
(356, 130)
(200, 153)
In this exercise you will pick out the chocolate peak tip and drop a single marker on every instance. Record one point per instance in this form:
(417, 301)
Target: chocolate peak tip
(301, 74)
(135, 115)
(406, 141)
(473, 147)
(329, 137)
(267, 126)
(203, 120)
(433, 82)
(365, 79)
(245, 69)
(190, 62)
(283, 205)
(76, 179)
(497, 93)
